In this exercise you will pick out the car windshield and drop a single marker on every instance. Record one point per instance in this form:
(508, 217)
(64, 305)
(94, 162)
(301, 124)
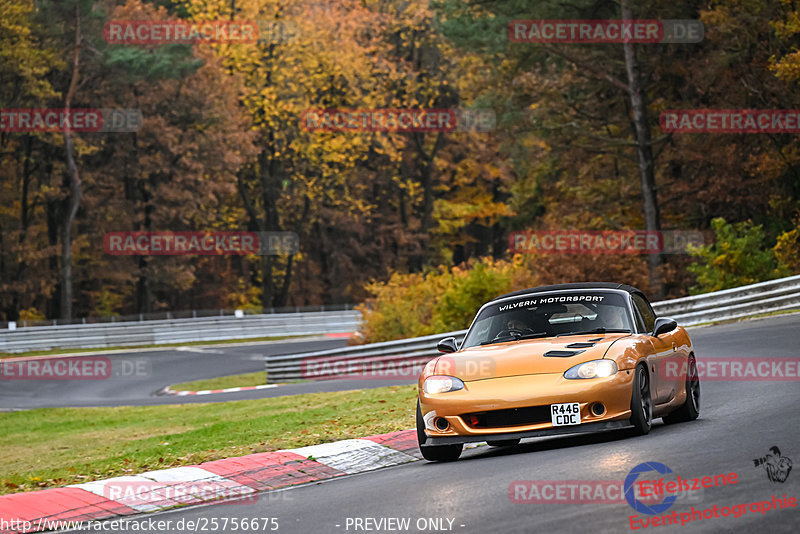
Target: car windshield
(550, 314)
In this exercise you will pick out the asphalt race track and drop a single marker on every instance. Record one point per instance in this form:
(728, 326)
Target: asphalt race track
(739, 421)
(137, 377)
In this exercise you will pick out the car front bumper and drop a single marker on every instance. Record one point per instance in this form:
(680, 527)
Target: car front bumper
(526, 391)
(552, 431)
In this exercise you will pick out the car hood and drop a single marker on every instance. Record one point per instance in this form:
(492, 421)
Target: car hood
(524, 357)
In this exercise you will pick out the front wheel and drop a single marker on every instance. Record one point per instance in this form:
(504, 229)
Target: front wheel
(641, 403)
(690, 408)
(435, 453)
(441, 453)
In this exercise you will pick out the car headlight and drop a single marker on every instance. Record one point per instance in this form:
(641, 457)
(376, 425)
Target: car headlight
(441, 384)
(592, 369)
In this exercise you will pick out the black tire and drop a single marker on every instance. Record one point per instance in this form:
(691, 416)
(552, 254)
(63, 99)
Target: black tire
(421, 436)
(441, 453)
(435, 453)
(690, 409)
(503, 443)
(641, 402)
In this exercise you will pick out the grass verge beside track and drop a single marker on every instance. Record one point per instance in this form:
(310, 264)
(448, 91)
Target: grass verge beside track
(58, 446)
(223, 382)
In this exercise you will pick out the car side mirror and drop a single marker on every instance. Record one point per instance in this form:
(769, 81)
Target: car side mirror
(664, 325)
(448, 344)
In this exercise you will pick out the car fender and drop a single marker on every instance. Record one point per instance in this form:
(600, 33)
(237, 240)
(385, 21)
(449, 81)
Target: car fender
(628, 352)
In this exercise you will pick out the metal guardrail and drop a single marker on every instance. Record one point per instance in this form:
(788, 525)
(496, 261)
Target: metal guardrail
(737, 303)
(774, 295)
(169, 315)
(414, 352)
(178, 330)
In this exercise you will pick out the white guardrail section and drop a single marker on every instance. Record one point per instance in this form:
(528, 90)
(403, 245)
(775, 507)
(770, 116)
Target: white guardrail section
(178, 330)
(403, 354)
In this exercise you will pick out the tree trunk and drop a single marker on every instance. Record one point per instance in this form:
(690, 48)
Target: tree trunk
(73, 183)
(644, 151)
(269, 174)
(426, 179)
(283, 295)
(53, 214)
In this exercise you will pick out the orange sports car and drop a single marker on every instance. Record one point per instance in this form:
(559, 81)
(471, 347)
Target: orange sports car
(559, 359)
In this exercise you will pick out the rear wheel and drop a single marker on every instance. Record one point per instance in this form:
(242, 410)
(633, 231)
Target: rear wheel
(690, 408)
(641, 402)
(435, 453)
(503, 442)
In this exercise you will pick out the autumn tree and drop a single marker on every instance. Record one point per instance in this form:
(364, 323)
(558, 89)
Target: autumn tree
(24, 60)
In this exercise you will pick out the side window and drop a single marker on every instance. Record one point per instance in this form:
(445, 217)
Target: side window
(645, 311)
(639, 322)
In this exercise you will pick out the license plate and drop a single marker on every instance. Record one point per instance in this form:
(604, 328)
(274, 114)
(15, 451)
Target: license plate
(568, 413)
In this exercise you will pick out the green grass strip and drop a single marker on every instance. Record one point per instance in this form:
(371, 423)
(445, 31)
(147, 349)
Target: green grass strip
(59, 446)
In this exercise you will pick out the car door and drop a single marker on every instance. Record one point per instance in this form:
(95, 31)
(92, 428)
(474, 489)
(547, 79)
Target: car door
(662, 388)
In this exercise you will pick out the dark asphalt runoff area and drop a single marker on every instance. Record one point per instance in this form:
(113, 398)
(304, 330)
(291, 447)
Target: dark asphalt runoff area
(137, 377)
(739, 422)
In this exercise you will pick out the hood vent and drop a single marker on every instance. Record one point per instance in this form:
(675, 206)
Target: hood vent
(561, 353)
(580, 345)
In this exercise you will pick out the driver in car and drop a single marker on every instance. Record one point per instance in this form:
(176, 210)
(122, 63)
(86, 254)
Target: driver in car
(516, 324)
(613, 317)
